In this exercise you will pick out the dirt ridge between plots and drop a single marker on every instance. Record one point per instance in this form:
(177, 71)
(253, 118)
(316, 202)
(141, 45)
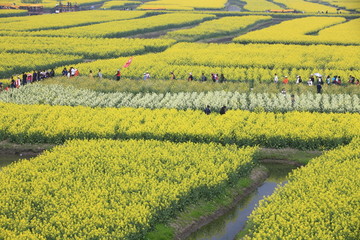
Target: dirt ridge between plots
(31, 150)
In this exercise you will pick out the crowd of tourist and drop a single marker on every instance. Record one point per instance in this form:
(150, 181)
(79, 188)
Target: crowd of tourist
(318, 79)
(314, 79)
(26, 78)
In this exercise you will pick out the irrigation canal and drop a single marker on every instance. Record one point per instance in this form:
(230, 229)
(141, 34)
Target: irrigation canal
(229, 225)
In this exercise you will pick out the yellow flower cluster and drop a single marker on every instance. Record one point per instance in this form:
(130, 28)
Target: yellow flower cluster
(64, 20)
(216, 27)
(320, 201)
(183, 4)
(87, 47)
(55, 124)
(252, 62)
(106, 189)
(313, 30)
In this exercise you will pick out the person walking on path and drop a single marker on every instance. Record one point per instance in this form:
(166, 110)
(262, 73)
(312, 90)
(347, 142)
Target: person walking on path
(100, 74)
(190, 78)
(286, 80)
(203, 77)
(172, 76)
(276, 78)
(118, 75)
(146, 76)
(222, 78)
(319, 87)
(207, 110)
(223, 110)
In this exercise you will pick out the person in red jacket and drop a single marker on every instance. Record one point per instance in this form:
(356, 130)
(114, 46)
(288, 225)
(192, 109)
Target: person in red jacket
(286, 80)
(118, 75)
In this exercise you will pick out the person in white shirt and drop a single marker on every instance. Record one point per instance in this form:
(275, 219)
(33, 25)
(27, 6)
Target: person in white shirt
(276, 78)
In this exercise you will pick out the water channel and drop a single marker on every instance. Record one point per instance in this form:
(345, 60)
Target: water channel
(229, 225)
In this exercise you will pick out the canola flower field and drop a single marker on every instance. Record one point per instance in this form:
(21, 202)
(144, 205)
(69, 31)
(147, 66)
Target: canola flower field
(253, 62)
(71, 96)
(324, 30)
(91, 48)
(56, 124)
(111, 189)
(213, 28)
(63, 21)
(129, 161)
(320, 200)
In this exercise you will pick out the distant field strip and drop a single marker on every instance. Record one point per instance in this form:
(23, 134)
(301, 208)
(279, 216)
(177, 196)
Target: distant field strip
(65, 20)
(12, 13)
(320, 200)
(218, 27)
(183, 4)
(252, 62)
(348, 4)
(118, 4)
(309, 7)
(52, 3)
(291, 32)
(128, 27)
(87, 47)
(260, 5)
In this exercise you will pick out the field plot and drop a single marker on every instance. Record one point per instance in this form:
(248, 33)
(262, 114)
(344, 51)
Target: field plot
(64, 20)
(251, 62)
(16, 63)
(306, 6)
(112, 189)
(348, 4)
(183, 4)
(128, 27)
(12, 13)
(120, 4)
(56, 124)
(320, 200)
(218, 27)
(86, 47)
(70, 96)
(260, 5)
(313, 30)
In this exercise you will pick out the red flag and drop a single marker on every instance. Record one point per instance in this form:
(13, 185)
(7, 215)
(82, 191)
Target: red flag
(128, 62)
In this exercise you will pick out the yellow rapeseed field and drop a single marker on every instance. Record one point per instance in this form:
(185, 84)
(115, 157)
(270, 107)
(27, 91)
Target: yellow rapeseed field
(320, 201)
(106, 189)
